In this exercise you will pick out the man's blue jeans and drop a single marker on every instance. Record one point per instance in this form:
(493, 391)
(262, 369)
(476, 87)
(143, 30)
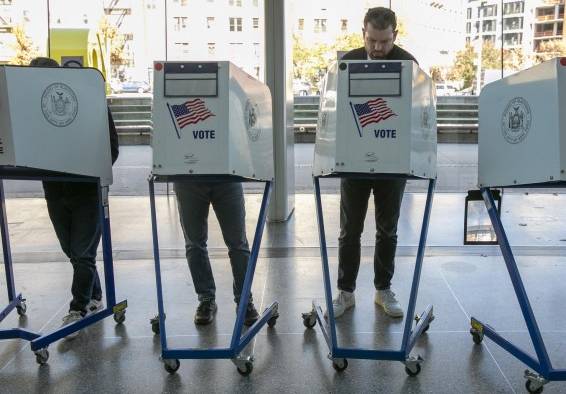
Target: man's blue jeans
(227, 199)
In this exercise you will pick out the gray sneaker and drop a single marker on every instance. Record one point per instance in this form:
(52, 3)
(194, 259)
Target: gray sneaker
(386, 299)
(342, 303)
(72, 317)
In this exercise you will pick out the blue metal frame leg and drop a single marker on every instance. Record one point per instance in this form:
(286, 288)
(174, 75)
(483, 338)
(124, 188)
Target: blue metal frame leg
(238, 342)
(15, 301)
(328, 326)
(541, 364)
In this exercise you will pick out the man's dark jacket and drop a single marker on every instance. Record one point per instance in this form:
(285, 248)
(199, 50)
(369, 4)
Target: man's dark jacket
(396, 53)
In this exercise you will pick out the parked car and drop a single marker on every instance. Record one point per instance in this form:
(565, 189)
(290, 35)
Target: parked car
(134, 87)
(445, 89)
(301, 88)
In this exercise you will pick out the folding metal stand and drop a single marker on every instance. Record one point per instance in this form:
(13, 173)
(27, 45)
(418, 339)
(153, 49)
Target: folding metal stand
(339, 355)
(544, 371)
(40, 342)
(238, 342)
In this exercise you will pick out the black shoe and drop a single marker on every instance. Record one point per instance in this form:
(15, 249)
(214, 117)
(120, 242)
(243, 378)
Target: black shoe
(251, 315)
(205, 312)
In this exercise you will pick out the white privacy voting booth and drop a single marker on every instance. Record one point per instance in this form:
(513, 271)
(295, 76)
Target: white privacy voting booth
(377, 120)
(522, 143)
(377, 117)
(212, 122)
(522, 127)
(55, 119)
(211, 119)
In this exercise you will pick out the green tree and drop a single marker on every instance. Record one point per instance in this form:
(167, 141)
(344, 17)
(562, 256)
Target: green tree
(112, 44)
(464, 67)
(25, 50)
(436, 73)
(550, 49)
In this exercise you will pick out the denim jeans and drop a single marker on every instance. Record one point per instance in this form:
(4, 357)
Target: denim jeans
(355, 194)
(74, 211)
(227, 199)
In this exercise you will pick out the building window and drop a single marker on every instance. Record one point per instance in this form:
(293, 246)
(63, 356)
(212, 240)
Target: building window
(235, 24)
(489, 38)
(5, 2)
(468, 27)
(344, 24)
(488, 26)
(513, 23)
(184, 3)
(468, 40)
(180, 23)
(516, 7)
(319, 25)
(211, 48)
(237, 3)
(512, 39)
(255, 23)
(469, 13)
(490, 10)
(256, 49)
(301, 24)
(209, 22)
(256, 71)
(129, 37)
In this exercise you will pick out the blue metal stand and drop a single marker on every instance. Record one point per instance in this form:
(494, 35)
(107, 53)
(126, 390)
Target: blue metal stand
(40, 342)
(171, 357)
(544, 372)
(339, 355)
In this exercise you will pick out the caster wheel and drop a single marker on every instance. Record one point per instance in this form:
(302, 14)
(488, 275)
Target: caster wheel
(414, 371)
(309, 320)
(340, 364)
(272, 321)
(22, 308)
(120, 317)
(476, 336)
(248, 368)
(426, 328)
(530, 386)
(155, 326)
(41, 356)
(171, 366)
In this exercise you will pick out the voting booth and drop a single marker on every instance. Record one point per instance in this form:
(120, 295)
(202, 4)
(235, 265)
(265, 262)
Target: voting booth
(55, 119)
(522, 143)
(377, 120)
(377, 117)
(211, 122)
(211, 119)
(54, 127)
(522, 127)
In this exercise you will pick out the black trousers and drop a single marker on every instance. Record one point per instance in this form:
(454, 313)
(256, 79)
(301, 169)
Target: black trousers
(355, 194)
(74, 211)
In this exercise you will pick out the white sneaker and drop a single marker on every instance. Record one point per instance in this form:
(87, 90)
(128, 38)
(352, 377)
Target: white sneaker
(72, 317)
(343, 302)
(94, 306)
(386, 299)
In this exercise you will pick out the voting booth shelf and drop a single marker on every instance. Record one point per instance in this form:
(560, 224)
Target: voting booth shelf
(522, 143)
(43, 112)
(377, 121)
(212, 123)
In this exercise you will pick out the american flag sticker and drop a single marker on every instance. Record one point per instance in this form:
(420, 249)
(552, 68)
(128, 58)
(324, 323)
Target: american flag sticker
(190, 112)
(372, 111)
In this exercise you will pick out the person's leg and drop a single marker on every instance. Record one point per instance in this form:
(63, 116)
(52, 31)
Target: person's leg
(354, 196)
(228, 204)
(388, 195)
(59, 214)
(85, 237)
(193, 201)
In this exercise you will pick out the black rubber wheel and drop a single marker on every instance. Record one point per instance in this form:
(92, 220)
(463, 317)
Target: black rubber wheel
(528, 386)
(478, 338)
(272, 321)
(120, 317)
(339, 367)
(42, 356)
(248, 368)
(415, 372)
(171, 366)
(426, 328)
(155, 327)
(309, 321)
(22, 308)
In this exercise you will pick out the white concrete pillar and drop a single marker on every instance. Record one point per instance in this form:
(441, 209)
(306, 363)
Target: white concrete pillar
(279, 78)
